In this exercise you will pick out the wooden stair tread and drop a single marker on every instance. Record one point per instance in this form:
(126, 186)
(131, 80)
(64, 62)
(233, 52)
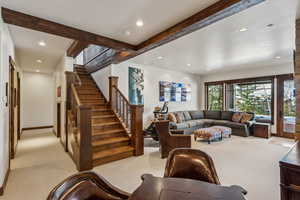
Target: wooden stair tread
(110, 141)
(101, 132)
(112, 152)
(102, 116)
(105, 124)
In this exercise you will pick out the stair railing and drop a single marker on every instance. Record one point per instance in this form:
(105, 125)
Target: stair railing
(130, 115)
(78, 116)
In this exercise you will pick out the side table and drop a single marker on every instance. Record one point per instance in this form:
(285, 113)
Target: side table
(262, 130)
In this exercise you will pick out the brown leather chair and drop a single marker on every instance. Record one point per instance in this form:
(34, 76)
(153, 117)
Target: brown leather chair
(86, 186)
(193, 164)
(170, 140)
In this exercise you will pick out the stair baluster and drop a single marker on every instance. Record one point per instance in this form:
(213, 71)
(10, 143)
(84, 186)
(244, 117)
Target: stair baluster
(80, 120)
(132, 119)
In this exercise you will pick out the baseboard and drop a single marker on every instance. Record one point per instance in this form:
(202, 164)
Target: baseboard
(36, 127)
(2, 188)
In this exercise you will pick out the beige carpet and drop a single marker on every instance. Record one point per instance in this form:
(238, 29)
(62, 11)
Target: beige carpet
(251, 162)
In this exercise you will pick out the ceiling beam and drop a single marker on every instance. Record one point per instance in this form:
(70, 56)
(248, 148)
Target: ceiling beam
(76, 47)
(43, 25)
(214, 13)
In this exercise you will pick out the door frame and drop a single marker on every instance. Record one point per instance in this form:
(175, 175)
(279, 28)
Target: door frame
(279, 115)
(19, 104)
(58, 119)
(11, 105)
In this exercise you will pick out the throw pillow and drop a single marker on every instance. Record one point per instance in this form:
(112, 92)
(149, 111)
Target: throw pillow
(246, 117)
(187, 116)
(179, 117)
(236, 117)
(172, 117)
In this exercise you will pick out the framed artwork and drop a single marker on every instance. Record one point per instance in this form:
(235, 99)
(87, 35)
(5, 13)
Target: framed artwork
(136, 86)
(174, 92)
(58, 91)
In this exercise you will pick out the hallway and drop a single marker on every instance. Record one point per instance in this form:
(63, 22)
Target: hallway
(39, 151)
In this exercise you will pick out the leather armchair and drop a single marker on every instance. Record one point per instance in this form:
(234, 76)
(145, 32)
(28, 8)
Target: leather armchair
(86, 186)
(170, 140)
(194, 164)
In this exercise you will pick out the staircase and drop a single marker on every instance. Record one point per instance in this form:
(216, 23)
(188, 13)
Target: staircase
(110, 139)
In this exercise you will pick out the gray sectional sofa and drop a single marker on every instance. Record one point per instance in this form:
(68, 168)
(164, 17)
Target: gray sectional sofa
(192, 120)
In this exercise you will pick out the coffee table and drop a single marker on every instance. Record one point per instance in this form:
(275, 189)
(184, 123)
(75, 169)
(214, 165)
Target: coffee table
(208, 134)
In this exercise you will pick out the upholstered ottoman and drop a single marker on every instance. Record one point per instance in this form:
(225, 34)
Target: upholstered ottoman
(226, 131)
(208, 134)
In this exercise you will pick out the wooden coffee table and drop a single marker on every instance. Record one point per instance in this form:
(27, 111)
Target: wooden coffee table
(154, 188)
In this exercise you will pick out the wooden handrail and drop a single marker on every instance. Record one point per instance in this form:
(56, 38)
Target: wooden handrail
(130, 115)
(79, 124)
(75, 95)
(122, 95)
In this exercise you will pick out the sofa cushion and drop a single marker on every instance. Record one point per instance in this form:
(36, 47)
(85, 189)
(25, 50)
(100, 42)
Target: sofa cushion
(187, 116)
(236, 125)
(226, 115)
(221, 122)
(194, 123)
(172, 117)
(180, 117)
(212, 114)
(181, 125)
(197, 114)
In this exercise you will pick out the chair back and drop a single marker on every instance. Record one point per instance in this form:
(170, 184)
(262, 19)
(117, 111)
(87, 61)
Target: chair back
(191, 164)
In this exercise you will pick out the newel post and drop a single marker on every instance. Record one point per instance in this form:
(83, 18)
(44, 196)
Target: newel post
(85, 161)
(113, 81)
(137, 136)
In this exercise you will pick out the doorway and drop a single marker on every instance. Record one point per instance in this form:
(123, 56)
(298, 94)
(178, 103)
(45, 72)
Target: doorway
(13, 108)
(286, 106)
(58, 120)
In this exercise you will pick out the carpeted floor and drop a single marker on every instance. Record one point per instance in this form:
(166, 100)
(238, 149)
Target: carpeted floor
(251, 162)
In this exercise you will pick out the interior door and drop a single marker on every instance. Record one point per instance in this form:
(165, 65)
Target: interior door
(286, 106)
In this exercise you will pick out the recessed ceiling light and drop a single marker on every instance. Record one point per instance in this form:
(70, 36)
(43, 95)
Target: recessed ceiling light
(159, 57)
(42, 43)
(189, 64)
(39, 61)
(127, 33)
(139, 23)
(243, 29)
(270, 25)
(277, 57)
(37, 71)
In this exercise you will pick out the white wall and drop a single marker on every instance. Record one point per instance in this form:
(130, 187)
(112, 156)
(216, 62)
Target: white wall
(6, 50)
(249, 73)
(37, 99)
(101, 78)
(65, 64)
(152, 76)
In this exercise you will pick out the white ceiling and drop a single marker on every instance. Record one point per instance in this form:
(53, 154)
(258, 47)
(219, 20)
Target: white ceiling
(216, 48)
(112, 18)
(28, 50)
(222, 47)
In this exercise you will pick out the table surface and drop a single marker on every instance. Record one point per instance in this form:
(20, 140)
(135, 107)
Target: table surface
(154, 188)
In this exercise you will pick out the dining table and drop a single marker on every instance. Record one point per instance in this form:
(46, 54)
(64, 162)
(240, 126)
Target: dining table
(157, 188)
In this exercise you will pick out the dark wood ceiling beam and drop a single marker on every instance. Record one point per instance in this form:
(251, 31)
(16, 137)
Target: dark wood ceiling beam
(76, 47)
(216, 12)
(43, 25)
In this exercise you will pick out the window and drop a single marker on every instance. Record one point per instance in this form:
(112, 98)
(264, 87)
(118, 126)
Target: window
(215, 97)
(254, 97)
